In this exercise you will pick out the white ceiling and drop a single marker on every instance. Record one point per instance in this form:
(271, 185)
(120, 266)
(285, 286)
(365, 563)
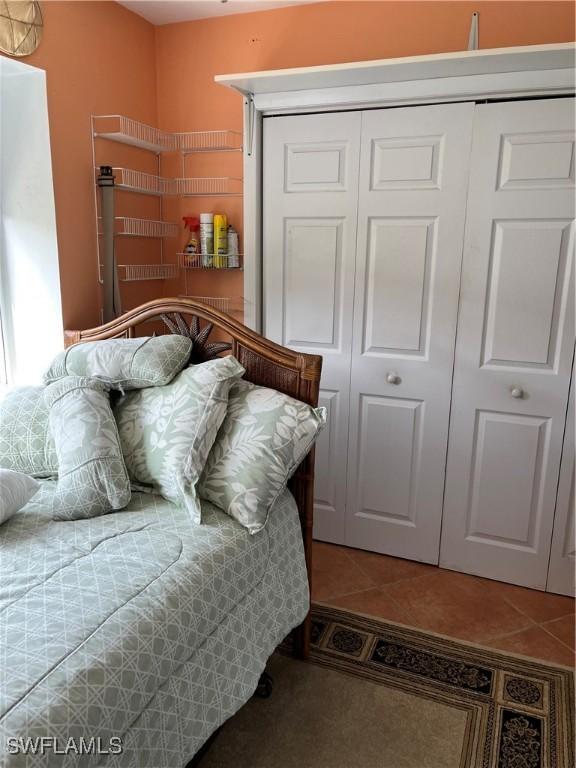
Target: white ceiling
(171, 11)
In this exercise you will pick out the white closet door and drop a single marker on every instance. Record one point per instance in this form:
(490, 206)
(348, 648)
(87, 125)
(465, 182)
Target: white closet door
(413, 180)
(310, 200)
(562, 555)
(515, 341)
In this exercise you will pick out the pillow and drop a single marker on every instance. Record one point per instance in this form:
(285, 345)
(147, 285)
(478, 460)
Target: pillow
(167, 432)
(124, 363)
(25, 441)
(16, 490)
(262, 441)
(92, 477)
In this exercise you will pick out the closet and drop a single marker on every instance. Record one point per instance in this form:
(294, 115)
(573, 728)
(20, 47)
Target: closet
(427, 253)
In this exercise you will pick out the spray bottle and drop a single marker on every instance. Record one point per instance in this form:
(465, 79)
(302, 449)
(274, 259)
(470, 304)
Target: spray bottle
(220, 240)
(233, 248)
(192, 247)
(207, 239)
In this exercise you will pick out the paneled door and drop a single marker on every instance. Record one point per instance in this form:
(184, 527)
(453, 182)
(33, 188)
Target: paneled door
(310, 202)
(515, 342)
(412, 206)
(561, 570)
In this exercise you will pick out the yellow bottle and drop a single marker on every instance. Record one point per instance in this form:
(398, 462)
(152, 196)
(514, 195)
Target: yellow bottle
(220, 240)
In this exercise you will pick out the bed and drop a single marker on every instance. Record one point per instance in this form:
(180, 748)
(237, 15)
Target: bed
(135, 627)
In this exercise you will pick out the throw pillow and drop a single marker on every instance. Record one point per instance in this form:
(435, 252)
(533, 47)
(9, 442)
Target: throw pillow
(124, 363)
(25, 441)
(263, 439)
(167, 432)
(16, 490)
(92, 477)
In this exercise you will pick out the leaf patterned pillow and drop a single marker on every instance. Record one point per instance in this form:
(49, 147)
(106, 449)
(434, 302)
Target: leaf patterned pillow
(263, 439)
(150, 361)
(92, 477)
(167, 432)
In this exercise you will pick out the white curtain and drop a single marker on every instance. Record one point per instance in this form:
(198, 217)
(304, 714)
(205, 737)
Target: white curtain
(30, 305)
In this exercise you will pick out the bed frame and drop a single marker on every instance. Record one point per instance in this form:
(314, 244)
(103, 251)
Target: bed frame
(266, 363)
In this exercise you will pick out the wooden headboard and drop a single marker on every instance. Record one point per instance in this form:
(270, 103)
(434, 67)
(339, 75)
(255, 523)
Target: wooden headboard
(266, 363)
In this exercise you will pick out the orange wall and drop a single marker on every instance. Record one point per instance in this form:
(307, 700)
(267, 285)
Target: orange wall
(99, 58)
(190, 54)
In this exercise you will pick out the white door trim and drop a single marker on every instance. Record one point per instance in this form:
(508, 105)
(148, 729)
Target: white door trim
(520, 72)
(432, 67)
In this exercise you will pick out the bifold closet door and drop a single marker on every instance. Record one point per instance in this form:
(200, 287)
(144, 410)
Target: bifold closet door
(515, 343)
(412, 205)
(561, 570)
(310, 203)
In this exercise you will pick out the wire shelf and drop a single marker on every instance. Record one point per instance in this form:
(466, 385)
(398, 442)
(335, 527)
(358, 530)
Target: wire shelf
(209, 141)
(138, 181)
(125, 225)
(151, 184)
(196, 261)
(128, 273)
(129, 131)
(218, 302)
(208, 186)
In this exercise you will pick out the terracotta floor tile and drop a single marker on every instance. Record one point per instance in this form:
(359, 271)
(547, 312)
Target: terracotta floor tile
(537, 643)
(334, 573)
(374, 602)
(329, 554)
(540, 606)
(457, 605)
(383, 569)
(563, 629)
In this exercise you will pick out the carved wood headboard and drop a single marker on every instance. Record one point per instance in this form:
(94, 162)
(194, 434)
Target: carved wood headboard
(266, 363)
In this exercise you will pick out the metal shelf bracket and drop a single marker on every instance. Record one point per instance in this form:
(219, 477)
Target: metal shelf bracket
(249, 122)
(473, 35)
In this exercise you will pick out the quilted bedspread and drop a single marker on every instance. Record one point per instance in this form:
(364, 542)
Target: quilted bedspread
(126, 639)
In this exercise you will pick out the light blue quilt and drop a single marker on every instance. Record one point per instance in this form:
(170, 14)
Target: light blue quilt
(127, 639)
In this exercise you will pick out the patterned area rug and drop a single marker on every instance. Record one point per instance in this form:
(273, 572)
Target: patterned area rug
(378, 695)
(520, 713)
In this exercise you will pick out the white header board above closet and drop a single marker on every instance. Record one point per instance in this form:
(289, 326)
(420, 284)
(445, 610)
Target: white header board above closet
(511, 71)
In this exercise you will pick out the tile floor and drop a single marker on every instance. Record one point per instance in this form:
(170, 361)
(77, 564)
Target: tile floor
(426, 597)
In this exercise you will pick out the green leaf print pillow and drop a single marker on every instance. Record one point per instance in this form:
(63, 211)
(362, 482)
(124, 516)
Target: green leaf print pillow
(167, 432)
(263, 439)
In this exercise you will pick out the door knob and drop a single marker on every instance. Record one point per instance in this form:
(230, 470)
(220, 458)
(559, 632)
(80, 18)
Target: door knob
(393, 378)
(517, 392)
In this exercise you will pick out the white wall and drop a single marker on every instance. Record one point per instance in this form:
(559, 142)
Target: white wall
(29, 275)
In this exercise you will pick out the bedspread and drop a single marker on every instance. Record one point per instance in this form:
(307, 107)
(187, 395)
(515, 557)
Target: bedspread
(113, 629)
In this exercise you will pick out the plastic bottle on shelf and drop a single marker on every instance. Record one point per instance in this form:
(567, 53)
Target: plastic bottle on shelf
(233, 248)
(192, 247)
(207, 239)
(220, 240)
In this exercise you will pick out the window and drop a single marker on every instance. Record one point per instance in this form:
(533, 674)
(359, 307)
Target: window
(3, 377)
(30, 307)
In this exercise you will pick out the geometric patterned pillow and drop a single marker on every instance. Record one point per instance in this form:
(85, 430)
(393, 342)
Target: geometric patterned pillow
(92, 477)
(263, 439)
(124, 363)
(25, 441)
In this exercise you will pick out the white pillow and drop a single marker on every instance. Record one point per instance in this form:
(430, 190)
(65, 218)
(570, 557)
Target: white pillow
(16, 490)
